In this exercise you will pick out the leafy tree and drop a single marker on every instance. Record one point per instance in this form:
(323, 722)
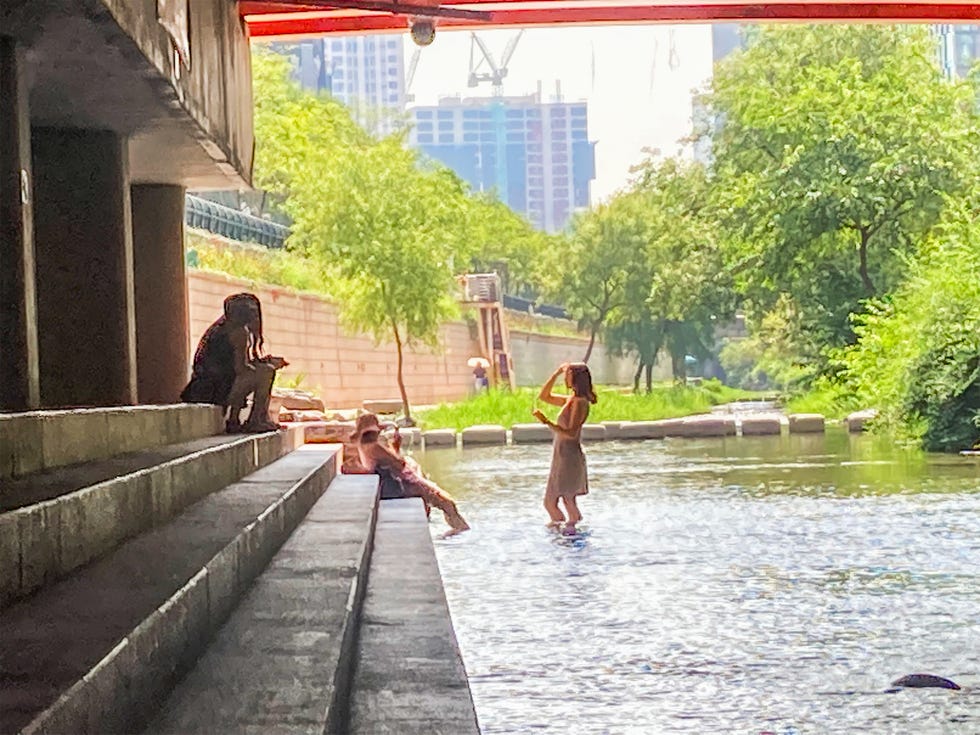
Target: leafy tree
(289, 123)
(368, 215)
(834, 148)
(506, 243)
(589, 273)
(917, 358)
(391, 233)
(690, 289)
(772, 354)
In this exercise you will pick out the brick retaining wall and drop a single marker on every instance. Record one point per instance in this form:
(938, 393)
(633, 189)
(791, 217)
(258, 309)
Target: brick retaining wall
(346, 369)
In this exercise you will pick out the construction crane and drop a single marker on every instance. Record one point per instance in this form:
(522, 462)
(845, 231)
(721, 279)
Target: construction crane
(410, 75)
(497, 72)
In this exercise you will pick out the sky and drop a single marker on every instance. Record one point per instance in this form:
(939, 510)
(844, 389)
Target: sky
(638, 81)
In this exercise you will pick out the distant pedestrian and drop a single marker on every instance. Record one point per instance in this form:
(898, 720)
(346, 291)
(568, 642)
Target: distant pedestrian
(569, 476)
(481, 380)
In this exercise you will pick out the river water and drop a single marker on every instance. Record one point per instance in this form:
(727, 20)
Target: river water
(738, 585)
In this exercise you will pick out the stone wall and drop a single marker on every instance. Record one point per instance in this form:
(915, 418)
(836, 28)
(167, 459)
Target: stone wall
(536, 356)
(346, 369)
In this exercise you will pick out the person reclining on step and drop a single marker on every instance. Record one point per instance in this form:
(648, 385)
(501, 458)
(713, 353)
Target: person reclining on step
(375, 458)
(228, 366)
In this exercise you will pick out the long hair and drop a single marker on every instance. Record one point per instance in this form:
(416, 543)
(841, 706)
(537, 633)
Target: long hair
(240, 307)
(582, 381)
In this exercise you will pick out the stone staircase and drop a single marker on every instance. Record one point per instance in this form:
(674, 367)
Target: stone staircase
(157, 576)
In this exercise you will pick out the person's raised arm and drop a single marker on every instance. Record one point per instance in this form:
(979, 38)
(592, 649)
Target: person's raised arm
(546, 395)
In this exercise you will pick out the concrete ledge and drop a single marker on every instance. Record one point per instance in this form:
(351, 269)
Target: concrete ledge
(484, 434)
(705, 426)
(327, 432)
(411, 438)
(612, 428)
(410, 677)
(530, 433)
(55, 536)
(283, 661)
(642, 430)
(761, 426)
(170, 589)
(593, 433)
(806, 423)
(383, 405)
(39, 440)
(858, 421)
(439, 438)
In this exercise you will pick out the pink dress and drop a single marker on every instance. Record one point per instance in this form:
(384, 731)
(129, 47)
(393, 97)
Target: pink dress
(568, 472)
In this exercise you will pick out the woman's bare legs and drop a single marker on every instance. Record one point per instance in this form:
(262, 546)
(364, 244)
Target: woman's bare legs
(557, 517)
(435, 496)
(571, 506)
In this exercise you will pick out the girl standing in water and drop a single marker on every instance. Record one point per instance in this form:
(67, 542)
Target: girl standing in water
(568, 477)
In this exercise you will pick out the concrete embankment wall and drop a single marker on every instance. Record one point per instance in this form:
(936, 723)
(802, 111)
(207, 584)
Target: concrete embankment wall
(536, 355)
(346, 369)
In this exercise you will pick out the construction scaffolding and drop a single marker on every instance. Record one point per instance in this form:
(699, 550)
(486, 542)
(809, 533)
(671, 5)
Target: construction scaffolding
(482, 290)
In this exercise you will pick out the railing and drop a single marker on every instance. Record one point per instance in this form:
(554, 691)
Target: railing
(203, 214)
(533, 307)
(227, 222)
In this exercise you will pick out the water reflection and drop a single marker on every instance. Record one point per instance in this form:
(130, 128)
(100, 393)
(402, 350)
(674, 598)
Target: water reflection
(730, 585)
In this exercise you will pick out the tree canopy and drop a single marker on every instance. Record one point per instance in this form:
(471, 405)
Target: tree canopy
(384, 229)
(834, 147)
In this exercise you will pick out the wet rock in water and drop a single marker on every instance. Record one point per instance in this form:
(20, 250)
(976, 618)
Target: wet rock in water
(922, 681)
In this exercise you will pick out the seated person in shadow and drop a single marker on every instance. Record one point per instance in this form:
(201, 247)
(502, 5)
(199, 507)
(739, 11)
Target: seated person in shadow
(401, 473)
(228, 366)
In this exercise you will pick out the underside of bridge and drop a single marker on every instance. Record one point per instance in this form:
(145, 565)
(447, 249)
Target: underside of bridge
(284, 18)
(110, 109)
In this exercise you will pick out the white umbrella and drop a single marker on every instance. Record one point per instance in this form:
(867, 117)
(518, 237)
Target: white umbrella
(478, 361)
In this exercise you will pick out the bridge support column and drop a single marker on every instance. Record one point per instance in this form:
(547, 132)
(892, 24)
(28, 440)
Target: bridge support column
(162, 330)
(84, 247)
(19, 372)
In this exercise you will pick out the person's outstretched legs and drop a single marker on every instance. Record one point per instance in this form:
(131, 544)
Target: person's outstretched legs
(435, 496)
(450, 512)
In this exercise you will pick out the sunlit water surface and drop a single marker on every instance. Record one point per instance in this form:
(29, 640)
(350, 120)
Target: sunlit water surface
(743, 585)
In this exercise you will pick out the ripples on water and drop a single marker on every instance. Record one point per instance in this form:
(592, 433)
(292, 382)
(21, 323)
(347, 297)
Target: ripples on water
(721, 586)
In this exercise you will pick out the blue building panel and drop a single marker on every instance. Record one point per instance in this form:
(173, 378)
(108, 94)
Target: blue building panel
(517, 177)
(501, 145)
(583, 171)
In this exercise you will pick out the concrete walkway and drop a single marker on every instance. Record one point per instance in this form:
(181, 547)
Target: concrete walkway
(410, 678)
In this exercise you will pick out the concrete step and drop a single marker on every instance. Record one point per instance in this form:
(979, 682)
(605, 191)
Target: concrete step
(56, 521)
(282, 663)
(95, 652)
(410, 678)
(41, 440)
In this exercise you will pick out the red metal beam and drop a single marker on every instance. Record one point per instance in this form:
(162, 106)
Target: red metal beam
(395, 7)
(563, 12)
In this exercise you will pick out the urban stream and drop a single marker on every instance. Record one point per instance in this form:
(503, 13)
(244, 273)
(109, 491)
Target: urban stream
(738, 585)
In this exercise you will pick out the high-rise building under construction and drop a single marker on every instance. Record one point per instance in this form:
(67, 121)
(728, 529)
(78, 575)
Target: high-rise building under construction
(535, 155)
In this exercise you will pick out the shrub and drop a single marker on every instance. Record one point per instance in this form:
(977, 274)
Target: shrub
(918, 355)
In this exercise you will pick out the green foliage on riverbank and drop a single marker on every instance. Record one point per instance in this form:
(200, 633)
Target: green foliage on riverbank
(254, 263)
(507, 408)
(918, 355)
(835, 214)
